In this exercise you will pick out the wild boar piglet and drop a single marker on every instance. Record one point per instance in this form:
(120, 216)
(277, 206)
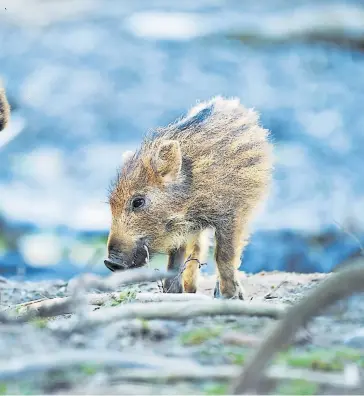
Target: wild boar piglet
(208, 170)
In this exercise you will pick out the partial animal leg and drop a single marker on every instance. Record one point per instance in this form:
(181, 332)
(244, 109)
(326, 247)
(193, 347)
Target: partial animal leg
(229, 247)
(175, 263)
(196, 254)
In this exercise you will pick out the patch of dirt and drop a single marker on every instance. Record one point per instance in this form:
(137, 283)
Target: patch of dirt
(276, 285)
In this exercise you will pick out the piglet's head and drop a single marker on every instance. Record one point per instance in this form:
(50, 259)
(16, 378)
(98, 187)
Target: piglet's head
(145, 199)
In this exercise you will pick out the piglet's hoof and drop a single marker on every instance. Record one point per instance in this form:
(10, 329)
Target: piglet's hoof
(237, 295)
(172, 285)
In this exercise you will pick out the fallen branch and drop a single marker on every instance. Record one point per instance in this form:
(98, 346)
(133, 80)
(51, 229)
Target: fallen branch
(17, 368)
(336, 287)
(117, 279)
(345, 379)
(92, 388)
(239, 338)
(45, 307)
(154, 297)
(184, 310)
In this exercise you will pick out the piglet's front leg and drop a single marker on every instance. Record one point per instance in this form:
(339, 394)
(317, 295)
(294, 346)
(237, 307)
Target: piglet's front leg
(175, 263)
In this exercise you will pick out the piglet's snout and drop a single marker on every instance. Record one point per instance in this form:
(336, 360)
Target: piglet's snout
(116, 260)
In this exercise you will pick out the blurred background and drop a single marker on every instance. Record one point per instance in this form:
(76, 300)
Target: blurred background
(86, 79)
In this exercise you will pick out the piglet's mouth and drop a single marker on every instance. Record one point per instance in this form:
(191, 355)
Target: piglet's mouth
(140, 259)
(112, 266)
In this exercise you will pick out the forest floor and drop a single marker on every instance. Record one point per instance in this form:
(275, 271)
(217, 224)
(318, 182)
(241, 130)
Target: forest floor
(143, 355)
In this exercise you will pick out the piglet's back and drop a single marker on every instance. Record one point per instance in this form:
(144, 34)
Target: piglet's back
(229, 152)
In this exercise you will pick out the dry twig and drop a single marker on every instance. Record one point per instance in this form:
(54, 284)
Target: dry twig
(270, 295)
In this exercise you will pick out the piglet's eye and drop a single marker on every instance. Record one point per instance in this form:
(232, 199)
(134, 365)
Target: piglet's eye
(138, 203)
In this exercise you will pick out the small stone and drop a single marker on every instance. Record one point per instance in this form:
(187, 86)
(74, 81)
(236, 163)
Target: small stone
(237, 338)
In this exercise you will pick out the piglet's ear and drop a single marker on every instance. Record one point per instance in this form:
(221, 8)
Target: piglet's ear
(168, 160)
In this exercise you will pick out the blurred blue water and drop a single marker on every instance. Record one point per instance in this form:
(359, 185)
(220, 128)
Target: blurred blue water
(89, 80)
